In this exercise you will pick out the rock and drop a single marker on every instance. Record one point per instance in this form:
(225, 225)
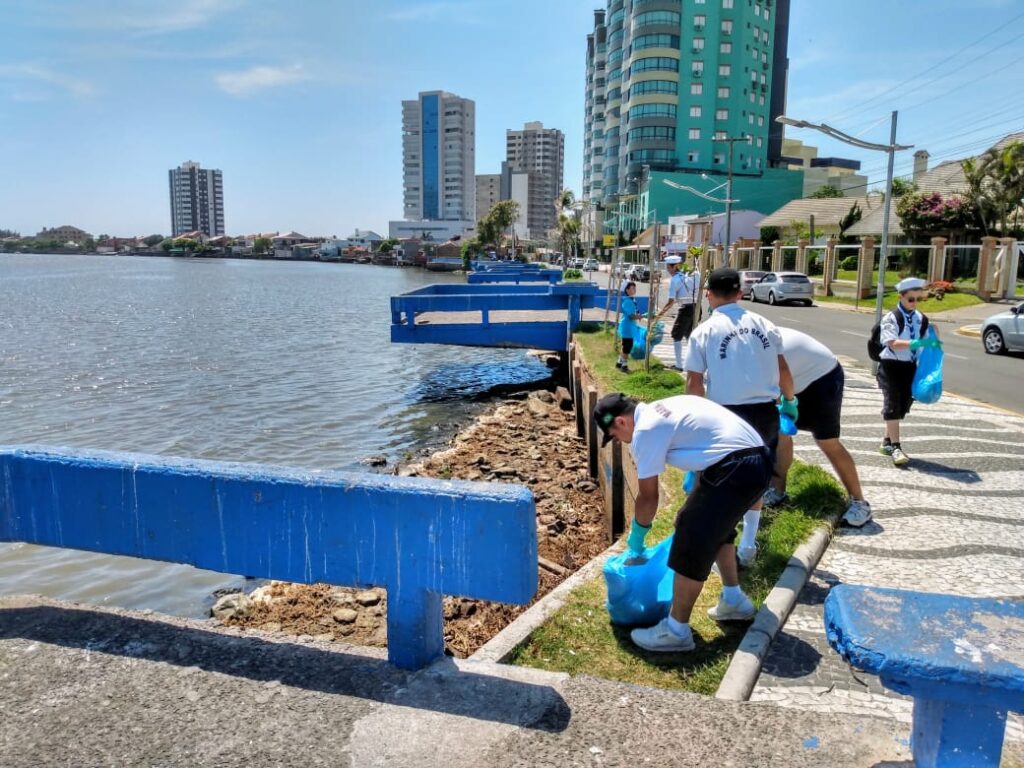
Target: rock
(543, 395)
(368, 597)
(505, 471)
(378, 460)
(226, 591)
(235, 605)
(587, 486)
(345, 615)
(271, 626)
(539, 408)
(556, 527)
(326, 637)
(262, 595)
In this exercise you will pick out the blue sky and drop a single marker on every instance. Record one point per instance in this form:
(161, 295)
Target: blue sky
(299, 103)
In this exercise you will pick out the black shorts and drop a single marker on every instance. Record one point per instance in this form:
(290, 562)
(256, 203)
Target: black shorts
(683, 325)
(709, 517)
(896, 380)
(763, 417)
(627, 345)
(821, 405)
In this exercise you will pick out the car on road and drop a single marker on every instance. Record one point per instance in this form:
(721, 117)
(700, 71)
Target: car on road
(591, 265)
(576, 262)
(747, 279)
(1004, 332)
(639, 273)
(780, 287)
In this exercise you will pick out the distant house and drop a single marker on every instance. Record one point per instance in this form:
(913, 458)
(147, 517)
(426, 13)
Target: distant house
(66, 234)
(365, 239)
(710, 230)
(828, 212)
(946, 178)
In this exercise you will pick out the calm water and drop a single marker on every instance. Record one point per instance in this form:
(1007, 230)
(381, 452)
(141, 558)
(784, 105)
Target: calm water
(273, 362)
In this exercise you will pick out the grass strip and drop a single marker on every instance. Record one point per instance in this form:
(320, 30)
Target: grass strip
(580, 639)
(890, 299)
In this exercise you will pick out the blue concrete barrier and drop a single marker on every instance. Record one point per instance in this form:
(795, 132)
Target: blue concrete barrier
(960, 658)
(571, 298)
(515, 276)
(418, 538)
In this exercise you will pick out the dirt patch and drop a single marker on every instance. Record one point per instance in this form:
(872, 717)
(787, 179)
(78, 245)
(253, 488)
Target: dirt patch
(530, 441)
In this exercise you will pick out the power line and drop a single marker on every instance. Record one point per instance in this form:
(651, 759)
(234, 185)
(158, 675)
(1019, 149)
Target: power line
(931, 68)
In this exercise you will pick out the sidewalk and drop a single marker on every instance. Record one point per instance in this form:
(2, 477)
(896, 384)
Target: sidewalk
(949, 522)
(98, 687)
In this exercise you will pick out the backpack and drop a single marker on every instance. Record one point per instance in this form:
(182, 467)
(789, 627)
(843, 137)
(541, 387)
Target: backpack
(875, 340)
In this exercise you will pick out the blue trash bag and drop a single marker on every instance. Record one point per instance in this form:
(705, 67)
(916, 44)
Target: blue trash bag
(640, 594)
(927, 386)
(639, 351)
(786, 425)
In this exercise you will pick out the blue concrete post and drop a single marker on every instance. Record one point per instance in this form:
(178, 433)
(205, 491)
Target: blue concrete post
(957, 735)
(418, 538)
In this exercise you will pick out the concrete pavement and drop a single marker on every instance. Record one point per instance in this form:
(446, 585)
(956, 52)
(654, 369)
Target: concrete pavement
(98, 687)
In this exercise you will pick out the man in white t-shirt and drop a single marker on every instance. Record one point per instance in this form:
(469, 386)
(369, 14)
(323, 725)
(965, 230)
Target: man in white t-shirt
(738, 356)
(682, 292)
(733, 468)
(818, 380)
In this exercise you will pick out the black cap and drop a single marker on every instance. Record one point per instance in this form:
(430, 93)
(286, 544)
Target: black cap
(607, 408)
(724, 280)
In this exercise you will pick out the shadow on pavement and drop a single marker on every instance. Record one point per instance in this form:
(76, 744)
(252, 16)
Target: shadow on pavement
(955, 474)
(440, 688)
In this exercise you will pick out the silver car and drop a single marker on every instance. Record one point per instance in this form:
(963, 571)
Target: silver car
(1004, 332)
(778, 287)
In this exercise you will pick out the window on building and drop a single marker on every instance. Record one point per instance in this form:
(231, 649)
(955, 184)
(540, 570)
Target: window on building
(758, 162)
(695, 111)
(727, 27)
(719, 158)
(766, 14)
(653, 86)
(699, 21)
(765, 39)
(694, 134)
(724, 70)
(753, 53)
(698, 44)
(655, 41)
(760, 121)
(696, 89)
(723, 92)
(721, 114)
(663, 132)
(762, 100)
(655, 17)
(719, 136)
(693, 156)
(760, 142)
(698, 68)
(752, 98)
(757, 34)
(652, 110)
(757, 9)
(725, 48)
(750, 118)
(764, 58)
(664, 63)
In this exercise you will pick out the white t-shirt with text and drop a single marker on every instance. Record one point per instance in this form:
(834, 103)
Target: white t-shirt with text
(687, 432)
(738, 351)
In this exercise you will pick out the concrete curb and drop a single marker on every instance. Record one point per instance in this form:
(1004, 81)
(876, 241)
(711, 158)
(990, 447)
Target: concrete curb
(500, 647)
(970, 330)
(745, 667)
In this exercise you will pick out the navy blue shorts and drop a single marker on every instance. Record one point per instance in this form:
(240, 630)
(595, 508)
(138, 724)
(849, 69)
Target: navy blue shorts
(763, 417)
(821, 405)
(709, 517)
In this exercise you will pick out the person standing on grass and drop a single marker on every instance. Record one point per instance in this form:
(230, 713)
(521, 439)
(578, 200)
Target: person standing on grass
(628, 325)
(682, 291)
(902, 336)
(818, 381)
(740, 353)
(733, 468)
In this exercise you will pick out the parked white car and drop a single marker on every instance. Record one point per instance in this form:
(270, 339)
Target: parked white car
(591, 265)
(1004, 332)
(779, 287)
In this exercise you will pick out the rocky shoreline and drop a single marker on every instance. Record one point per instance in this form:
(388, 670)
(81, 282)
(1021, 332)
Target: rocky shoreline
(529, 438)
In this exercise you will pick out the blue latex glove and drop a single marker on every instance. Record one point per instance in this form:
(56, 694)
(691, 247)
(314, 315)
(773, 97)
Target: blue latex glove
(786, 425)
(932, 342)
(689, 482)
(788, 408)
(637, 534)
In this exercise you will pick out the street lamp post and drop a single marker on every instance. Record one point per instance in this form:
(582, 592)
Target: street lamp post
(891, 149)
(728, 205)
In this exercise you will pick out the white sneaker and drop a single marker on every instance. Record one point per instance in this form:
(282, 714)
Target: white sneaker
(899, 458)
(746, 556)
(661, 638)
(774, 498)
(857, 513)
(741, 611)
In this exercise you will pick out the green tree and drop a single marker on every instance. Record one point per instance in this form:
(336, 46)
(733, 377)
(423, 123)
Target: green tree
(261, 245)
(852, 217)
(769, 235)
(153, 240)
(88, 244)
(995, 187)
(387, 246)
(9, 233)
(827, 191)
(901, 187)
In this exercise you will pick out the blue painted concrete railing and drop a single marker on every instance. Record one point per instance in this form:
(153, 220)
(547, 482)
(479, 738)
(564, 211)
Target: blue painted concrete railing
(960, 658)
(479, 330)
(420, 539)
(515, 276)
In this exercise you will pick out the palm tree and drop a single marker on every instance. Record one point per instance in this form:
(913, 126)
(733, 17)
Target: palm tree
(568, 225)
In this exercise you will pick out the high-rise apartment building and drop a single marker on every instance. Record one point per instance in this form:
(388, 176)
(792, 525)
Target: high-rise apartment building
(488, 192)
(439, 158)
(539, 152)
(197, 200)
(667, 80)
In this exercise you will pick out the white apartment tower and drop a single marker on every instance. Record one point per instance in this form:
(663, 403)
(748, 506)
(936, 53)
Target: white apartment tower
(539, 152)
(439, 158)
(197, 200)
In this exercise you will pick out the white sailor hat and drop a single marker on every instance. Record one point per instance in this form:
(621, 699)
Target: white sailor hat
(909, 284)
(673, 259)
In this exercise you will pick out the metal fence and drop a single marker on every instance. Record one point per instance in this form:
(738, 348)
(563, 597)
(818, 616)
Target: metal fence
(962, 262)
